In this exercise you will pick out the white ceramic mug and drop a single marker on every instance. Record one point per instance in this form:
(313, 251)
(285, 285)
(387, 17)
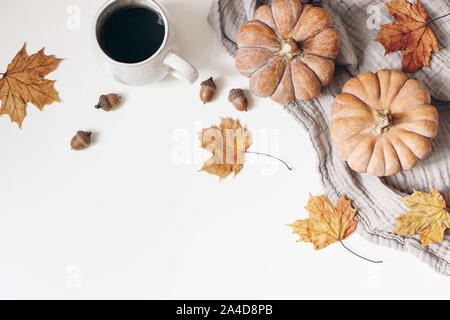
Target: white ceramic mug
(165, 61)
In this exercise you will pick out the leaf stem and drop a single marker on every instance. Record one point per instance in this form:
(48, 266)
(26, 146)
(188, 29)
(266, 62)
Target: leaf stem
(373, 261)
(448, 14)
(270, 156)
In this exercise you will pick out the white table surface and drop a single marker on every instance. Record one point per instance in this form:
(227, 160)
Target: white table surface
(131, 217)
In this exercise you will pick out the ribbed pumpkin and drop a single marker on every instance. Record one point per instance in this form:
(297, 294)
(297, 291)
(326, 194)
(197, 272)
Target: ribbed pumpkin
(383, 123)
(287, 50)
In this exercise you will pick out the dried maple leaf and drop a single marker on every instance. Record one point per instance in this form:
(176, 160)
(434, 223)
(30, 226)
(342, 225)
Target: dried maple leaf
(228, 144)
(326, 224)
(410, 33)
(24, 82)
(428, 216)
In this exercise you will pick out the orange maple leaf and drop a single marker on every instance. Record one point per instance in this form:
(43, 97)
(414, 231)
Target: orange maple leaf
(228, 144)
(24, 82)
(410, 33)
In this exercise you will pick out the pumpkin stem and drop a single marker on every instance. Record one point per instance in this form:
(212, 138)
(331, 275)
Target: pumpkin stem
(382, 120)
(289, 49)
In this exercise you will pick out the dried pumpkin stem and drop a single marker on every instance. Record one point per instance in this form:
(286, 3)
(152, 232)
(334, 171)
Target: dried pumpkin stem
(382, 120)
(289, 49)
(373, 261)
(270, 156)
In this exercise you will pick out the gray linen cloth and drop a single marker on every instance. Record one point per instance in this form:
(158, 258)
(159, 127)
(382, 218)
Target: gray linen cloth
(377, 199)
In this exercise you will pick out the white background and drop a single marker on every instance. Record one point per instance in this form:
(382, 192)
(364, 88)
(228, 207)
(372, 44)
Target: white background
(131, 217)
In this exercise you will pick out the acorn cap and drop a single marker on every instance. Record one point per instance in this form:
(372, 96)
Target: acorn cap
(84, 133)
(209, 83)
(234, 94)
(103, 101)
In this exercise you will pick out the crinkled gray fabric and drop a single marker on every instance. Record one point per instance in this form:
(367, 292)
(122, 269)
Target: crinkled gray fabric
(377, 199)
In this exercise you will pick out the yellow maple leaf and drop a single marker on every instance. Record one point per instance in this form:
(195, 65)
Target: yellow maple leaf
(24, 82)
(228, 144)
(428, 216)
(326, 224)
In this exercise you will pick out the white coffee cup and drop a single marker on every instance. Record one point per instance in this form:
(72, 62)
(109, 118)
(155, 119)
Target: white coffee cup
(165, 61)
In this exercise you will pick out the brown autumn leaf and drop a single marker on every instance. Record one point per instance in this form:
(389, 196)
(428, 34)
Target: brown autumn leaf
(326, 224)
(428, 216)
(24, 82)
(410, 33)
(228, 144)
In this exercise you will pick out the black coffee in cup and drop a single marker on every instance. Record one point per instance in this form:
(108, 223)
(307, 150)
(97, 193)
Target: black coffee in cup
(132, 34)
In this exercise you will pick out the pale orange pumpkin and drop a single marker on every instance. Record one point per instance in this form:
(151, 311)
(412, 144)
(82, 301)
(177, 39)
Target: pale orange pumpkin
(287, 51)
(383, 123)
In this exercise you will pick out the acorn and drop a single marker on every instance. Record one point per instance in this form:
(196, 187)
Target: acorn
(108, 101)
(81, 140)
(238, 99)
(207, 90)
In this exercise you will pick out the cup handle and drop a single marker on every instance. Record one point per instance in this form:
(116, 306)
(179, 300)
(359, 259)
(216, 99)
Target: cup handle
(181, 69)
